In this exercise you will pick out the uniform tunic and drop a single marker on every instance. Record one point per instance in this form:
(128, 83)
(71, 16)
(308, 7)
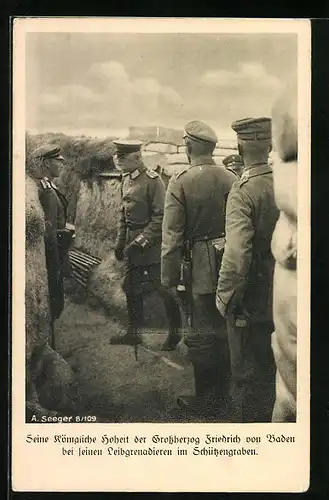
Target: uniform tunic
(244, 292)
(54, 205)
(141, 215)
(246, 272)
(195, 211)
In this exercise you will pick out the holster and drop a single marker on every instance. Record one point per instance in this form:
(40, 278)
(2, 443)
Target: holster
(185, 282)
(186, 273)
(141, 280)
(219, 245)
(64, 240)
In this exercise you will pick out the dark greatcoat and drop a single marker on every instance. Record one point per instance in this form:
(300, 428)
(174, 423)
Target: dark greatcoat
(54, 205)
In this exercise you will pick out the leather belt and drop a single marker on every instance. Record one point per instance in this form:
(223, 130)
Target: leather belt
(135, 226)
(207, 237)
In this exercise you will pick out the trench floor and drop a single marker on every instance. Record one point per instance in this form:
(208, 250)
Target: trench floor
(115, 387)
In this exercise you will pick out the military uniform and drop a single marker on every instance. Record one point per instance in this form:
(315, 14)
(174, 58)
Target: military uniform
(195, 213)
(139, 244)
(54, 205)
(234, 163)
(284, 248)
(244, 291)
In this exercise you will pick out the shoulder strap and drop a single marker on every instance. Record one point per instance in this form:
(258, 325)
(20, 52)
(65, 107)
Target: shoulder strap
(182, 171)
(244, 178)
(45, 184)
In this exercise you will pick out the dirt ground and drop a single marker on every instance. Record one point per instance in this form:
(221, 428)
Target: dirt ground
(114, 385)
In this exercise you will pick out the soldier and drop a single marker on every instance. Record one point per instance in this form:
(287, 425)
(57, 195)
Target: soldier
(234, 163)
(48, 161)
(194, 217)
(284, 248)
(139, 243)
(244, 291)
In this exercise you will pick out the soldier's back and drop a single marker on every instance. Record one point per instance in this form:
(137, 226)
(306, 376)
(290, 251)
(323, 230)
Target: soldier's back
(205, 188)
(258, 187)
(260, 190)
(202, 180)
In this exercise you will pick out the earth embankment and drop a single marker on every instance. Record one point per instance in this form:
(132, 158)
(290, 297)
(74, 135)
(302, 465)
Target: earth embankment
(37, 311)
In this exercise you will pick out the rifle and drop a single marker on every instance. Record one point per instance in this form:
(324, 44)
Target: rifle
(186, 281)
(131, 284)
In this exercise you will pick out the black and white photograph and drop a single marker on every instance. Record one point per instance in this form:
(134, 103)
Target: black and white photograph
(160, 207)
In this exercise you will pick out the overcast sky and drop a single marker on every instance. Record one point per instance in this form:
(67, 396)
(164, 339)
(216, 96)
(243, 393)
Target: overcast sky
(109, 81)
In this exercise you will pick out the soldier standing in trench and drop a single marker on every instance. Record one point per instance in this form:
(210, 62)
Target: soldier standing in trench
(234, 163)
(48, 161)
(194, 216)
(139, 243)
(244, 292)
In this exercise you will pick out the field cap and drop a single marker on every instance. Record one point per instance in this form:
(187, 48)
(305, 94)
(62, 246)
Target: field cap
(125, 146)
(48, 151)
(232, 159)
(200, 132)
(253, 129)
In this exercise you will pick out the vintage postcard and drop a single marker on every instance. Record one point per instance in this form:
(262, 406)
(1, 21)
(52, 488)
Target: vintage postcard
(160, 167)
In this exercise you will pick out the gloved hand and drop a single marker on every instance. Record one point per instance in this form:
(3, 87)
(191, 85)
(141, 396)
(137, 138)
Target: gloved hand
(241, 315)
(119, 253)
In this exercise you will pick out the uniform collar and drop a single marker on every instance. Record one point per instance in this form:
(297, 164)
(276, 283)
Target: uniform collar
(256, 165)
(135, 174)
(202, 160)
(255, 170)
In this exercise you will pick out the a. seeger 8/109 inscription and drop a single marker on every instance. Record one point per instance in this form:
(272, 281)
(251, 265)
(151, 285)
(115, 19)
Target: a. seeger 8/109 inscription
(64, 419)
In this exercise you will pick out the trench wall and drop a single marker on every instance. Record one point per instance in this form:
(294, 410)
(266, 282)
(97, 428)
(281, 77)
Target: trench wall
(37, 311)
(96, 227)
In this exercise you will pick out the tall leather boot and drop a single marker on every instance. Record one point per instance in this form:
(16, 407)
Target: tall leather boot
(214, 390)
(259, 403)
(223, 376)
(135, 319)
(172, 340)
(174, 320)
(204, 402)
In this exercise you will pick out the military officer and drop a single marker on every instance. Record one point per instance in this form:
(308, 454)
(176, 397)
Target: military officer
(194, 217)
(48, 162)
(234, 163)
(139, 242)
(284, 248)
(244, 291)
